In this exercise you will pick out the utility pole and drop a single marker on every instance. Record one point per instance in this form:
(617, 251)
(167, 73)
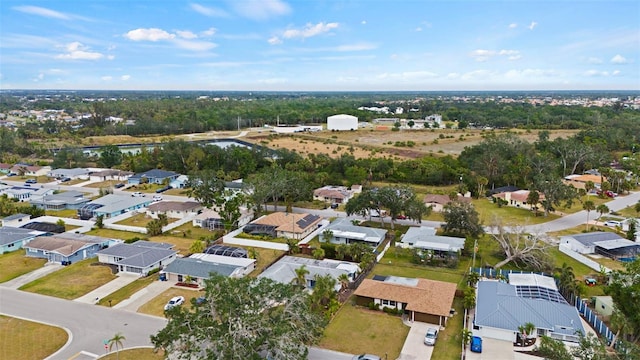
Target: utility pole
(475, 250)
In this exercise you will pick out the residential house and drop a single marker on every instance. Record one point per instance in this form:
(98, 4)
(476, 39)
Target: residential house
(15, 220)
(333, 194)
(62, 250)
(199, 267)
(286, 225)
(139, 257)
(502, 308)
(604, 243)
(438, 202)
(5, 168)
(344, 232)
(180, 182)
(60, 201)
(110, 175)
(155, 176)
(46, 227)
(23, 193)
(603, 305)
(518, 199)
(284, 270)
(174, 209)
(423, 300)
(580, 181)
(30, 170)
(501, 189)
(112, 205)
(12, 238)
(75, 173)
(211, 219)
(425, 238)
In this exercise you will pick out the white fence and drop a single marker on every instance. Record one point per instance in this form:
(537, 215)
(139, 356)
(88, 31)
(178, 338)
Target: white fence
(231, 239)
(581, 258)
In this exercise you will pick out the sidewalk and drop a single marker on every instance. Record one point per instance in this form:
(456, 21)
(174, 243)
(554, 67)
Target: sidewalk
(143, 296)
(31, 276)
(106, 289)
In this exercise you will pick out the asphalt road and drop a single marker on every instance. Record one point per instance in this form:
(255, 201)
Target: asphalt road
(88, 325)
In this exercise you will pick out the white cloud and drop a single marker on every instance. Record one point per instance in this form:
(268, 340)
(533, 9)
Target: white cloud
(594, 60)
(40, 11)
(209, 32)
(274, 40)
(78, 51)
(208, 11)
(513, 26)
(356, 47)
(186, 34)
(309, 30)
(477, 74)
(481, 55)
(107, 78)
(273, 81)
(418, 29)
(615, 72)
(39, 77)
(453, 75)
(363, 22)
(595, 73)
(111, 57)
(529, 73)
(261, 9)
(533, 25)
(619, 59)
(150, 34)
(125, 77)
(194, 45)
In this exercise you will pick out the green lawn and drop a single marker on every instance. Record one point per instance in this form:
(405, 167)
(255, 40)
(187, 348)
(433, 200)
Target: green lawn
(629, 211)
(155, 307)
(358, 330)
(14, 264)
(126, 291)
(449, 341)
(417, 271)
(66, 213)
(134, 354)
(487, 210)
(115, 234)
(193, 232)
(72, 281)
(140, 220)
(22, 339)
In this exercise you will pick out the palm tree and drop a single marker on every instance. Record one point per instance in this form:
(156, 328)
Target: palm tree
(300, 278)
(473, 278)
(567, 280)
(344, 281)
(601, 209)
(588, 206)
(621, 324)
(117, 341)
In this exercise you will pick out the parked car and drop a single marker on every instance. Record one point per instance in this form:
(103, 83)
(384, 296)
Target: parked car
(157, 198)
(163, 189)
(612, 223)
(476, 344)
(200, 300)
(334, 206)
(118, 185)
(175, 301)
(65, 179)
(138, 194)
(431, 336)
(31, 181)
(401, 217)
(366, 357)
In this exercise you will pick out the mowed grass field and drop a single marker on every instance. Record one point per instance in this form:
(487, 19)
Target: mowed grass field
(22, 339)
(72, 281)
(14, 264)
(134, 354)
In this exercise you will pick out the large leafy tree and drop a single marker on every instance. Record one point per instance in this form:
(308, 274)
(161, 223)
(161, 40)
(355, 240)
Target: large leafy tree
(243, 318)
(461, 218)
(520, 247)
(624, 288)
(110, 155)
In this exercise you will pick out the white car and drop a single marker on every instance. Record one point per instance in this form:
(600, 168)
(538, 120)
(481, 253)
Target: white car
(612, 223)
(157, 198)
(175, 301)
(138, 194)
(431, 336)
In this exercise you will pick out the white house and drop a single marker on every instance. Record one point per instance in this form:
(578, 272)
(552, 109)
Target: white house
(174, 209)
(342, 122)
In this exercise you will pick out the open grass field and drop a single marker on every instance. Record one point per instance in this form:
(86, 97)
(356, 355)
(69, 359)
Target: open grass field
(387, 267)
(72, 281)
(103, 184)
(66, 213)
(116, 234)
(357, 330)
(126, 291)
(141, 220)
(487, 211)
(380, 143)
(14, 264)
(155, 307)
(22, 339)
(134, 354)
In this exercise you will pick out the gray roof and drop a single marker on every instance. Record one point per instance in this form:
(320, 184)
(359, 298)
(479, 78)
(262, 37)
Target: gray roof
(137, 255)
(284, 270)
(345, 225)
(424, 237)
(499, 306)
(84, 237)
(69, 172)
(15, 217)
(153, 244)
(70, 197)
(589, 239)
(198, 268)
(9, 235)
(155, 173)
(114, 203)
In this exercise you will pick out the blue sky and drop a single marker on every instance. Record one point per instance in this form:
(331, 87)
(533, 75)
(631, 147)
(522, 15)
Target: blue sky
(320, 45)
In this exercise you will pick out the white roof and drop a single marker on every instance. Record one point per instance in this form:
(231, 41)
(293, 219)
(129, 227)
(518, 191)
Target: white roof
(226, 260)
(532, 280)
(433, 246)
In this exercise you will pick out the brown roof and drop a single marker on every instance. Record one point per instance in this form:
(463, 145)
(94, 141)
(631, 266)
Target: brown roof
(443, 199)
(520, 195)
(596, 179)
(163, 206)
(288, 222)
(428, 297)
(65, 247)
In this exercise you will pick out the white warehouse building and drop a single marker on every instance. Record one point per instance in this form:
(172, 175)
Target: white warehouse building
(342, 122)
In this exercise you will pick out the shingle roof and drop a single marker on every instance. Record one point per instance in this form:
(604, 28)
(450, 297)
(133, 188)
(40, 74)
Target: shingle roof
(138, 255)
(443, 199)
(427, 296)
(174, 206)
(15, 217)
(9, 235)
(66, 247)
(284, 270)
(199, 268)
(155, 173)
(499, 306)
(589, 239)
(114, 203)
(342, 227)
(289, 222)
(424, 237)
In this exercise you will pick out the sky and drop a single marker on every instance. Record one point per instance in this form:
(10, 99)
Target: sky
(320, 45)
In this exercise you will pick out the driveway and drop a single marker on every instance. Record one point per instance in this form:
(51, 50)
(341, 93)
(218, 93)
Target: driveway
(492, 349)
(414, 347)
(31, 276)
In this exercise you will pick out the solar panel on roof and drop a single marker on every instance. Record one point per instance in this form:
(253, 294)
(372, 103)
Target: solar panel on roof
(379, 277)
(307, 220)
(538, 292)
